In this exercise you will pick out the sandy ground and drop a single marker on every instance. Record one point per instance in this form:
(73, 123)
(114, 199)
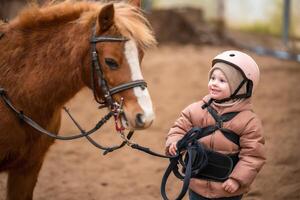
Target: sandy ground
(177, 76)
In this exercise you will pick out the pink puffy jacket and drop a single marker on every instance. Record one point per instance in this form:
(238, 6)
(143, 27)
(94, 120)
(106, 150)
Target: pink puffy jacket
(251, 151)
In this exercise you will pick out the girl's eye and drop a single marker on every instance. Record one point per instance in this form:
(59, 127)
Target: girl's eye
(212, 78)
(111, 63)
(222, 80)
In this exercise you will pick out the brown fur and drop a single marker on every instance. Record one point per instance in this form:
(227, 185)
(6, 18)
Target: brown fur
(44, 62)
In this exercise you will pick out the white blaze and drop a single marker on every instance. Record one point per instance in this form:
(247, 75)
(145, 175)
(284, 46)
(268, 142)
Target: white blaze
(143, 97)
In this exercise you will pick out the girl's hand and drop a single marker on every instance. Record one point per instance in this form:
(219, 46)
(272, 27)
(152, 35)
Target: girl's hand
(173, 149)
(231, 185)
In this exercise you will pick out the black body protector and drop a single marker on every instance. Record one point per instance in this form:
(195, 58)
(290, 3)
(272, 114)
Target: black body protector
(219, 166)
(198, 161)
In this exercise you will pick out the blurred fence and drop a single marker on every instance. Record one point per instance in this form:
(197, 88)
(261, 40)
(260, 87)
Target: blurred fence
(277, 22)
(260, 15)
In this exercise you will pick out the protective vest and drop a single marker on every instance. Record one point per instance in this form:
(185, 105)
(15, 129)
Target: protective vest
(199, 162)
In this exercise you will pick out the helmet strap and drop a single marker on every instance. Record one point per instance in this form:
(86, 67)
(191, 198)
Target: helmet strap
(238, 88)
(234, 95)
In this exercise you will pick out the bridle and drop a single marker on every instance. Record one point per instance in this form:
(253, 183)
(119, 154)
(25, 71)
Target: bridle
(96, 68)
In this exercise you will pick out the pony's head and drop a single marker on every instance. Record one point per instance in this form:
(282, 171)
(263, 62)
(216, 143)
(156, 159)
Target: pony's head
(119, 38)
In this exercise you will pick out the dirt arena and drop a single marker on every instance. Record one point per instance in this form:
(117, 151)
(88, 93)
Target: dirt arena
(177, 76)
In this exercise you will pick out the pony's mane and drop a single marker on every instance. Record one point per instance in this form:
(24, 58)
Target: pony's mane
(129, 20)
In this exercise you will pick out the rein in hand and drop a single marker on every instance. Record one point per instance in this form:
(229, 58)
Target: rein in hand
(115, 112)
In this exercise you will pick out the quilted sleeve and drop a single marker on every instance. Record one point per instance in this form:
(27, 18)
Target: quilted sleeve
(252, 153)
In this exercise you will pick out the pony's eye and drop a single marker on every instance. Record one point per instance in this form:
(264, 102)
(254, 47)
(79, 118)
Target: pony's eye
(111, 63)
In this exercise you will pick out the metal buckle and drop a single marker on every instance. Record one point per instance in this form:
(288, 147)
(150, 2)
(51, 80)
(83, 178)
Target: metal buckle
(118, 110)
(219, 124)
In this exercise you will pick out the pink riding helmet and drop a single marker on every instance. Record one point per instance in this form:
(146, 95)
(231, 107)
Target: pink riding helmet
(243, 62)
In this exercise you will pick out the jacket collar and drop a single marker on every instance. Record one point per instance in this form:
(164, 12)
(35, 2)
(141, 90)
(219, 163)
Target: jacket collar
(238, 106)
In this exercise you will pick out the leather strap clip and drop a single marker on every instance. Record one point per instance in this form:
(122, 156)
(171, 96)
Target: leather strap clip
(219, 124)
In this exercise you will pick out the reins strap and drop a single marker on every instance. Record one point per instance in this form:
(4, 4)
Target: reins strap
(34, 125)
(96, 144)
(196, 159)
(186, 179)
(108, 149)
(148, 151)
(172, 165)
(40, 129)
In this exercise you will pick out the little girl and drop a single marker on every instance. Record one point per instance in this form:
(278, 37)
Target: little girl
(232, 80)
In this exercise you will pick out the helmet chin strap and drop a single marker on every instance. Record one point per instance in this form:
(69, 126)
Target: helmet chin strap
(234, 95)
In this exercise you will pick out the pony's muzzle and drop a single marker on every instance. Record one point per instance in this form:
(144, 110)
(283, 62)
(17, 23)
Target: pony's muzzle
(144, 119)
(137, 121)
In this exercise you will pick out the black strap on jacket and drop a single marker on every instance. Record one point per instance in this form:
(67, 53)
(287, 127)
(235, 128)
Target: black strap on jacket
(196, 160)
(230, 135)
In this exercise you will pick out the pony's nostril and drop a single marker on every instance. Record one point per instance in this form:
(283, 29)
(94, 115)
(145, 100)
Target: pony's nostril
(140, 120)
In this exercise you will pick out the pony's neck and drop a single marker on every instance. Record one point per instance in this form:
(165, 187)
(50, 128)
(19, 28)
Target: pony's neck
(52, 73)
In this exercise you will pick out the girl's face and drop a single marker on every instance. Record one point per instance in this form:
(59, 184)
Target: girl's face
(218, 86)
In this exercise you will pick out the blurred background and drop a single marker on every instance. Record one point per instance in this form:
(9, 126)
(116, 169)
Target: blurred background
(275, 23)
(190, 33)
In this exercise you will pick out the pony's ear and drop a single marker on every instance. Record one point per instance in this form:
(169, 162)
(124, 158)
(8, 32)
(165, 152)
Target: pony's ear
(136, 3)
(106, 18)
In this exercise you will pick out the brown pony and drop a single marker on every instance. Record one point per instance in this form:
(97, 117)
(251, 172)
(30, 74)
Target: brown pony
(45, 60)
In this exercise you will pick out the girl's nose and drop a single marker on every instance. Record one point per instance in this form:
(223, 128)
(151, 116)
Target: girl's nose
(214, 82)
